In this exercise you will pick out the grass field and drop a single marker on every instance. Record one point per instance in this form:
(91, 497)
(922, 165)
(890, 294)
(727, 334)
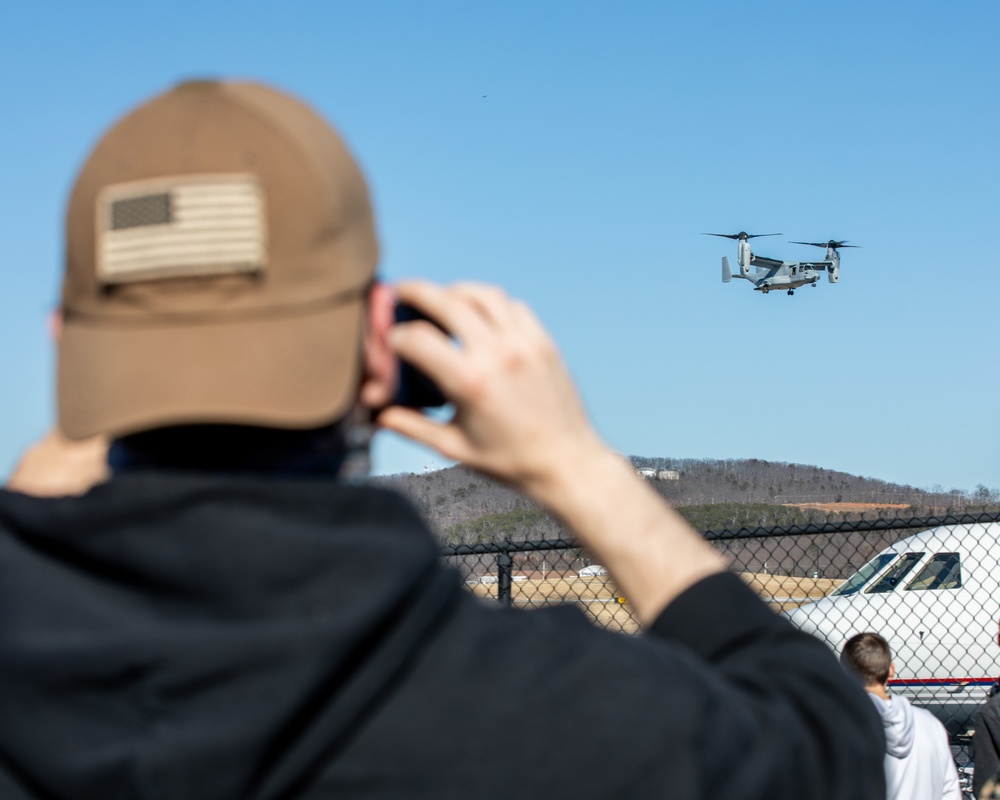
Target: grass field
(598, 597)
(844, 508)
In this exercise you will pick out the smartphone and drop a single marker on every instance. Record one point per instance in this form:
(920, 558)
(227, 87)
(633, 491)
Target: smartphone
(415, 390)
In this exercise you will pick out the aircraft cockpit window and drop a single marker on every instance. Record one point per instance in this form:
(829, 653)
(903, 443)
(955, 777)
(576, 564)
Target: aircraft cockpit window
(895, 576)
(863, 575)
(943, 571)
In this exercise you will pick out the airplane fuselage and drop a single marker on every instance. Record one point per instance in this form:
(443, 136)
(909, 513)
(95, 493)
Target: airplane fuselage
(934, 597)
(785, 275)
(785, 278)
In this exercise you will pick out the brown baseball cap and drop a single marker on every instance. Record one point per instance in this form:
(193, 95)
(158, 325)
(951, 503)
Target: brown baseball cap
(220, 245)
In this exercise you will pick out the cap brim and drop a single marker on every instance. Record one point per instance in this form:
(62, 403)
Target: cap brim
(284, 372)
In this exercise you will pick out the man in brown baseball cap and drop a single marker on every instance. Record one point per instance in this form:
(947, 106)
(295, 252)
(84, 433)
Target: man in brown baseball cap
(234, 614)
(199, 288)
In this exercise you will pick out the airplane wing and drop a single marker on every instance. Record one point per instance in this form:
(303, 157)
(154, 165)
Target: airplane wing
(815, 264)
(765, 263)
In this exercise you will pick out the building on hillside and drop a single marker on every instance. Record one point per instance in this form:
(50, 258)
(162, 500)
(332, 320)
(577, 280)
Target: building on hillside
(658, 475)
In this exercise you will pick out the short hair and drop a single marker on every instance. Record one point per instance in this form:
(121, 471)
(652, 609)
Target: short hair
(868, 656)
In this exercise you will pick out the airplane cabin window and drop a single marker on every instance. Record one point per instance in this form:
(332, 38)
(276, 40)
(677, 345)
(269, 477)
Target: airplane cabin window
(895, 576)
(863, 575)
(943, 571)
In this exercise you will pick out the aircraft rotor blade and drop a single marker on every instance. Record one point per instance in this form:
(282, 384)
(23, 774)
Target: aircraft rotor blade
(833, 243)
(742, 235)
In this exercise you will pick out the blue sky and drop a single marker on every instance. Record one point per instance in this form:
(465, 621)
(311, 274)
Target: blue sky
(610, 136)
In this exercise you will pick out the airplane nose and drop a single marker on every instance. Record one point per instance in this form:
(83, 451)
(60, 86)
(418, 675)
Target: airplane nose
(831, 620)
(797, 616)
(814, 621)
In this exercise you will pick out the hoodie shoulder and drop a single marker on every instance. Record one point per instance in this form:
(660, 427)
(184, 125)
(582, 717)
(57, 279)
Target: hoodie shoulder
(897, 724)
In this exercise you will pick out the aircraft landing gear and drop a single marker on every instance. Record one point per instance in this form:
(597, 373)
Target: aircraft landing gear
(791, 291)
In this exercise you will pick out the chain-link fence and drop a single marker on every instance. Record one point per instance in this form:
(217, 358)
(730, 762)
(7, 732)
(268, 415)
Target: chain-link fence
(928, 585)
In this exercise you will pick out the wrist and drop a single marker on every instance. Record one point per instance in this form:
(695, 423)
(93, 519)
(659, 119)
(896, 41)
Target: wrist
(566, 481)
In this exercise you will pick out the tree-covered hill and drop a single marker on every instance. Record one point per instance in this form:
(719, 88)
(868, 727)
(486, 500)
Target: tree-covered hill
(464, 507)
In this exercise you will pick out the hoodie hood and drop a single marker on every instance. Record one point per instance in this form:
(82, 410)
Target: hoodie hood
(897, 724)
(239, 627)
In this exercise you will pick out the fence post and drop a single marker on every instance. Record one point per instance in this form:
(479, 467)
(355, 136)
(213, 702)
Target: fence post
(505, 571)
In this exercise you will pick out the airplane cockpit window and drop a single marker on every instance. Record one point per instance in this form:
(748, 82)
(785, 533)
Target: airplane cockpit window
(863, 575)
(895, 576)
(943, 571)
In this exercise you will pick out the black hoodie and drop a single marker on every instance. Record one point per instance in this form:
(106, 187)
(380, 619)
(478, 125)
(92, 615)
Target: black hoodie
(171, 636)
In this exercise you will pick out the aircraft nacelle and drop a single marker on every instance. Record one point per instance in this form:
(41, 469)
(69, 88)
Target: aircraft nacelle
(744, 256)
(833, 271)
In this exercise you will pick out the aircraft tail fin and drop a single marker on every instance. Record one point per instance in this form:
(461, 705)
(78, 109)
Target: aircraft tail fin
(727, 273)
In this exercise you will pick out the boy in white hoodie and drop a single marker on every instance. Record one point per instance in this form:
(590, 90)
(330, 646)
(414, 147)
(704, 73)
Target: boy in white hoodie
(918, 761)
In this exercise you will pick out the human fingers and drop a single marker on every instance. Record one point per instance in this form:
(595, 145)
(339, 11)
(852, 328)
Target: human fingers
(500, 335)
(480, 317)
(509, 317)
(514, 335)
(412, 424)
(493, 304)
(447, 306)
(428, 349)
(528, 323)
(518, 415)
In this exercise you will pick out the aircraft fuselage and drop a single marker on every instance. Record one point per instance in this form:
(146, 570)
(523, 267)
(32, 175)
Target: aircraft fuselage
(934, 597)
(788, 276)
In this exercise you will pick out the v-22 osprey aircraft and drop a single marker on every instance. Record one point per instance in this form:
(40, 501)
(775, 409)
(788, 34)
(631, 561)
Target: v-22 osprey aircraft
(769, 273)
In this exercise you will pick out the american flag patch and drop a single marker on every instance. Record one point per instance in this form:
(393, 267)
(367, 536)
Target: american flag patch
(182, 226)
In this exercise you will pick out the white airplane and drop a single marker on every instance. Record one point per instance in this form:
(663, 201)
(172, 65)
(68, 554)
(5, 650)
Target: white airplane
(935, 597)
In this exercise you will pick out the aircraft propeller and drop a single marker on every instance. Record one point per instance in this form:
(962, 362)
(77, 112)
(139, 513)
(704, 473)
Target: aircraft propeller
(833, 244)
(742, 235)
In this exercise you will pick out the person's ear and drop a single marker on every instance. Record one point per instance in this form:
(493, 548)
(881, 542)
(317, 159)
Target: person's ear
(55, 321)
(892, 670)
(381, 376)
